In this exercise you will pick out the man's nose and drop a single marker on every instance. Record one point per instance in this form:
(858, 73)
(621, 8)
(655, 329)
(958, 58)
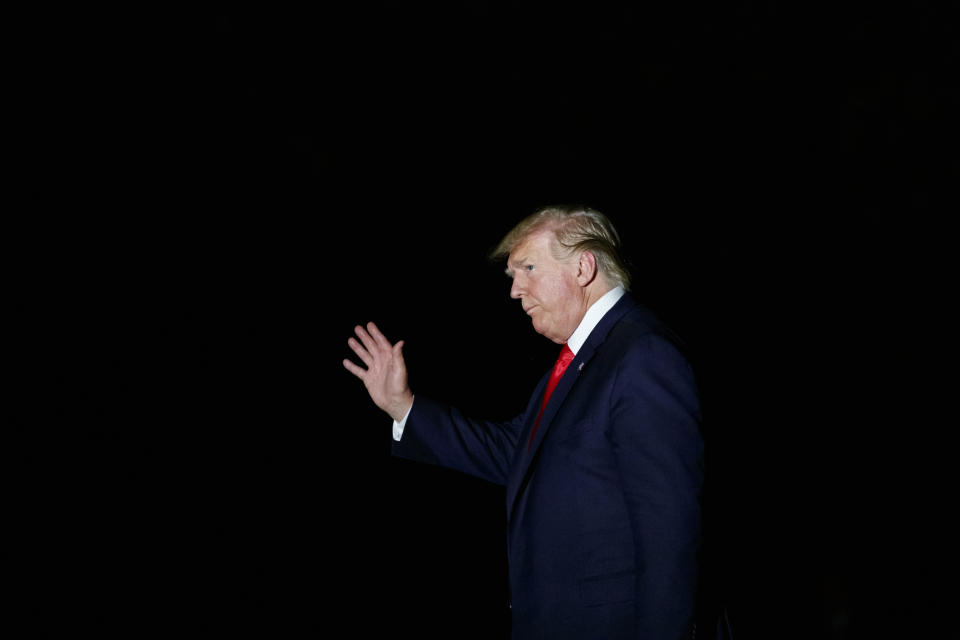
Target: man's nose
(516, 291)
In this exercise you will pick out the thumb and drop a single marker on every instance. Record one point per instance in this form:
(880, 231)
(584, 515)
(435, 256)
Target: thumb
(398, 349)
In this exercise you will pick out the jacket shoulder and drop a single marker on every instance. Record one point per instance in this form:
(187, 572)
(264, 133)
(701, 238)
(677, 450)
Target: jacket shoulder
(639, 321)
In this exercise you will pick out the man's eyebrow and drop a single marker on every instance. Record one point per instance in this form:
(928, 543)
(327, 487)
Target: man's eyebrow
(519, 262)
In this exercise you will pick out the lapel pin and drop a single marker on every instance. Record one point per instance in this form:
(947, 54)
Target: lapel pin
(580, 368)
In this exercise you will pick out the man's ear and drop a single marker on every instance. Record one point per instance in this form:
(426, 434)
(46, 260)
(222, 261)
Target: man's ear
(586, 268)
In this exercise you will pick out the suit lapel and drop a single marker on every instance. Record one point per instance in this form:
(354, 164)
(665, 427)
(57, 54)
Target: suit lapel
(525, 458)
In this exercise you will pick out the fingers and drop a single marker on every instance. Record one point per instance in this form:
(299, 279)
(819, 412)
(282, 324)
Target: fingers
(360, 372)
(374, 348)
(360, 351)
(367, 340)
(379, 337)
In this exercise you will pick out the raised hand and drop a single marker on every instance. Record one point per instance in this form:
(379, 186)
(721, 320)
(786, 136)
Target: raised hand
(386, 374)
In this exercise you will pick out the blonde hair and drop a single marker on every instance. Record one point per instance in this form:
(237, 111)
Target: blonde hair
(575, 229)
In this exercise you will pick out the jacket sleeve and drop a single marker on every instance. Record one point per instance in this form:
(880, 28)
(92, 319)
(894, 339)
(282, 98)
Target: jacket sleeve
(439, 434)
(658, 448)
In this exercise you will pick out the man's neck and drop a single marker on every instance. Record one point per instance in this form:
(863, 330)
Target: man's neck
(593, 315)
(598, 289)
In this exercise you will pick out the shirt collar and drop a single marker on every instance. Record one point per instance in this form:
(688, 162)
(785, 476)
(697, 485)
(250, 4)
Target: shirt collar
(593, 316)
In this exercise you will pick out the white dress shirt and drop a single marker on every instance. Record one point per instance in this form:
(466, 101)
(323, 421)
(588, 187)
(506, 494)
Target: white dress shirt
(590, 320)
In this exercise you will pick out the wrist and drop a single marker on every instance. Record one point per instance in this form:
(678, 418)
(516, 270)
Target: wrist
(401, 408)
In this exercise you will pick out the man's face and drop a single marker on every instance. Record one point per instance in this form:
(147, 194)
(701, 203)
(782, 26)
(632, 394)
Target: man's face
(546, 287)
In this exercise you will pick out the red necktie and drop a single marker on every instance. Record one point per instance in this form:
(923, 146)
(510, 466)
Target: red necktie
(563, 361)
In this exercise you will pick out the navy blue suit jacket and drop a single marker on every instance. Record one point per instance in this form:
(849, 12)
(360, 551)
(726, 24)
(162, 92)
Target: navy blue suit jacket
(603, 511)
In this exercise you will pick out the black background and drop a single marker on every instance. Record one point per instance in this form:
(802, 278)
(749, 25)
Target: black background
(214, 201)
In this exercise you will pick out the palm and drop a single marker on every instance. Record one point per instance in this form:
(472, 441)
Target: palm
(386, 378)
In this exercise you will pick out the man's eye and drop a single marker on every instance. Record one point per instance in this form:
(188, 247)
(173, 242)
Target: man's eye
(529, 267)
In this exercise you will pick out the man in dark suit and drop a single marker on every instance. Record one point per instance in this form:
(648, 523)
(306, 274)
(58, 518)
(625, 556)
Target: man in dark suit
(603, 469)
